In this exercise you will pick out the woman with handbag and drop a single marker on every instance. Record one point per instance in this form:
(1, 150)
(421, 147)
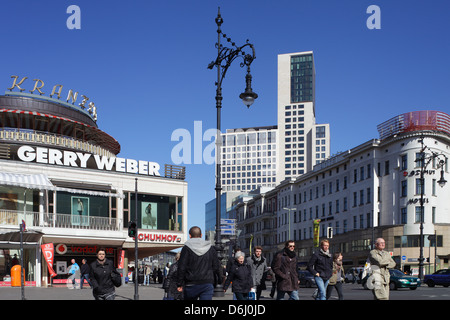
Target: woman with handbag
(240, 276)
(337, 277)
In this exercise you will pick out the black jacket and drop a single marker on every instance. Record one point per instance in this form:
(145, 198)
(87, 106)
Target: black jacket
(100, 276)
(198, 269)
(240, 275)
(322, 264)
(84, 269)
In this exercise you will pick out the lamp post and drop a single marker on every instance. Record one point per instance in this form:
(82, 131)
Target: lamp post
(289, 221)
(225, 57)
(424, 162)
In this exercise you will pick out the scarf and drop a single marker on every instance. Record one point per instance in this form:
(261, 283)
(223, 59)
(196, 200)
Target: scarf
(325, 253)
(289, 253)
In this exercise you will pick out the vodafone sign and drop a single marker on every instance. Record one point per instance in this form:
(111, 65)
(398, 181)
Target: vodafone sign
(61, 248)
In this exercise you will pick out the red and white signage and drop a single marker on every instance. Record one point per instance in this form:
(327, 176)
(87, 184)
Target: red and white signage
(159, 237)
(48, 251)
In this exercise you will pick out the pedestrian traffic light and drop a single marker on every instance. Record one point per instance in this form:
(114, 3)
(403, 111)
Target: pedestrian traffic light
(132, 229)
(329, 232)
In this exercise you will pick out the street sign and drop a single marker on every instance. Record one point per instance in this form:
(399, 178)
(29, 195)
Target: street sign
(230, 232)
(227, 226)
(227, 221)
(403, 258)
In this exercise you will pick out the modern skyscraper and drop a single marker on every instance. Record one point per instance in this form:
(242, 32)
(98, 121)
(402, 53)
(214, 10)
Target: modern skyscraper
(302, 142)
(249, 158)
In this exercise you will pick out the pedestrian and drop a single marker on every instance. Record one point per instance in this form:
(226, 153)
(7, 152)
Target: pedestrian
(102, 271)
(160, 276)
(74, 272)
(337, 277)
(147, 273)
(230, 261)
(84, 270)
(285, 269)
(355, 275)
(171, 283)
(198, 268)
(259, 269)
(321, 266)
(154, 274)
(240, 276)
(273, 280)
(380, 263)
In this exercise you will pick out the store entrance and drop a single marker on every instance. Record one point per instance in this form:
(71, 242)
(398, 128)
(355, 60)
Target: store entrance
(65, 255)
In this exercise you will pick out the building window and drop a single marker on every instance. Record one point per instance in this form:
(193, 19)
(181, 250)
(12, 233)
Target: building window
(418, 214)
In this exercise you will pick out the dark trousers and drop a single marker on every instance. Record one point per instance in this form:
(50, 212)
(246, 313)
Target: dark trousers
(338, 287)
(199, 291)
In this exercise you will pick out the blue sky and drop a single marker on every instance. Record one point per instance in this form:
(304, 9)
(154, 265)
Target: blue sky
(144, 64)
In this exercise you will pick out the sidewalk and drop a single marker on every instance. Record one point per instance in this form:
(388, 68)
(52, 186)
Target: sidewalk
(125, 292)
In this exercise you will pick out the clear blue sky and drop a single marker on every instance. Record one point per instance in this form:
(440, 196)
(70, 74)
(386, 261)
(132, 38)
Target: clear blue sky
(144, 64)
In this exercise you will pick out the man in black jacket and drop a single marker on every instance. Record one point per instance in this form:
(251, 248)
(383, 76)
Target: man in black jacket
(198, 268)
(321, 267)
(100, 274)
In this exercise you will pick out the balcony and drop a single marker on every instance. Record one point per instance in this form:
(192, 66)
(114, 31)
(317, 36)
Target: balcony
(12, 218)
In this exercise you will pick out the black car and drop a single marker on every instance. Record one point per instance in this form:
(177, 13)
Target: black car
(306, 278)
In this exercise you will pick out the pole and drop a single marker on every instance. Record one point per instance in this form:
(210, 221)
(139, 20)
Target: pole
(435, 250)
(136, 257)
(22, 271)
(422, 187)
(218, 243)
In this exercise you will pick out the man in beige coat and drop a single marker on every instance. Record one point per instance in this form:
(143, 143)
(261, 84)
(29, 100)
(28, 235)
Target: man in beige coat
(381, 262)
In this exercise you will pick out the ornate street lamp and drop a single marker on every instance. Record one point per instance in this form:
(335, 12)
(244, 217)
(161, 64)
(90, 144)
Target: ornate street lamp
(424, 162)
(225, 56)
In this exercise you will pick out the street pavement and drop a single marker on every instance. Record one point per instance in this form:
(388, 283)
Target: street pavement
(155, 292)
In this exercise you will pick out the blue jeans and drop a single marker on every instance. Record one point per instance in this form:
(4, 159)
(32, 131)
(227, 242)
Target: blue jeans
(293, 295)
(322, 288)
(199, 291)
(84, 276)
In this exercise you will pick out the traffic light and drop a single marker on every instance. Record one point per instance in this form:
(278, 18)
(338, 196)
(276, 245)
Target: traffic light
(132, 229)
(329, 232)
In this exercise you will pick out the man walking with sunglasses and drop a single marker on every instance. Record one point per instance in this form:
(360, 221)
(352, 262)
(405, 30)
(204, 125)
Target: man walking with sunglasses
(285, 269)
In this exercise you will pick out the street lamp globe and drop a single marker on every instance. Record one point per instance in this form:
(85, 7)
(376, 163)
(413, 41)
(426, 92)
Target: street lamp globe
(248, 96)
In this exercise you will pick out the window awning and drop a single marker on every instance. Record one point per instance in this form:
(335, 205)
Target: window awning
(29, 181)
(41, 182)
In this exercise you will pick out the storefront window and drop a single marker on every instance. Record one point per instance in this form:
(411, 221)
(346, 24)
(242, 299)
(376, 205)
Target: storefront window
(157, 212)
(81, 207)
(11, 257)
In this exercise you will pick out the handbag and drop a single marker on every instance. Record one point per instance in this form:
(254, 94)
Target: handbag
(252, 294)
(116, 278)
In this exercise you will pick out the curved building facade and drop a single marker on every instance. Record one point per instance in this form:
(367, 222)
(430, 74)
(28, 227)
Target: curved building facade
(61, 177)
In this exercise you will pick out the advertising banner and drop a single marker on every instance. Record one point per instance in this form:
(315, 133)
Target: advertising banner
(316, 232)
(48, 251)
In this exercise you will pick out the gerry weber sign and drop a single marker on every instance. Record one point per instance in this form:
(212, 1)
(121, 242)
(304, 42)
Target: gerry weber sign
(86, 160)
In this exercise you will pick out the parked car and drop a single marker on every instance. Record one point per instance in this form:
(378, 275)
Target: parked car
(350, 275)
(397, 280)
(440, 277)
(306, 278)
